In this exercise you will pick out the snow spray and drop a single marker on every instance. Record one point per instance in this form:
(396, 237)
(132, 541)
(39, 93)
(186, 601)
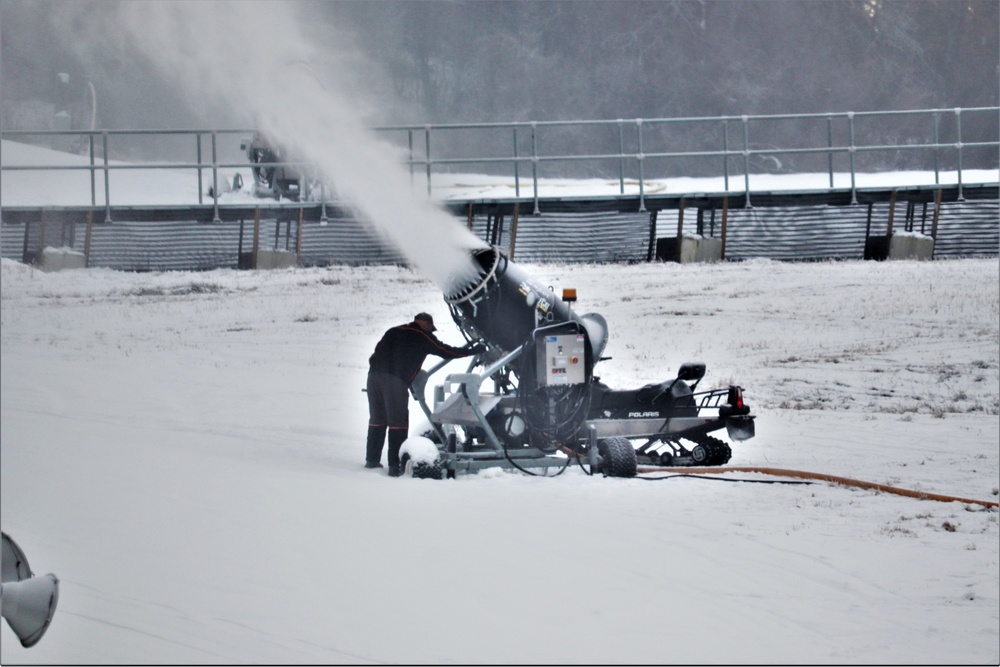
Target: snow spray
(259, 58)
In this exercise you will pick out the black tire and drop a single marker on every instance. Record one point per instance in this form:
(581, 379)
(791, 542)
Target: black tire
(619, 457)
(422, 469)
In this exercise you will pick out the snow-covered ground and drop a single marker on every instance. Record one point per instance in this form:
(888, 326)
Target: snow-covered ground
(184, 451)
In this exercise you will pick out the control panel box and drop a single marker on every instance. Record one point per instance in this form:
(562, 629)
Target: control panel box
(561, 360)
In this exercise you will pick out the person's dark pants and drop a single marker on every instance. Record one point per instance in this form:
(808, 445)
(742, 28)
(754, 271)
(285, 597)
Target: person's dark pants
(388, 410)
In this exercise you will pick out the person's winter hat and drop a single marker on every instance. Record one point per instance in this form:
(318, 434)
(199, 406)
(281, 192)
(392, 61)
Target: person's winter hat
(426, 318)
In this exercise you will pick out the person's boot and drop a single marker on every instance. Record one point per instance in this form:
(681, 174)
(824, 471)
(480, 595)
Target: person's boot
(373, 453)
(396, 438)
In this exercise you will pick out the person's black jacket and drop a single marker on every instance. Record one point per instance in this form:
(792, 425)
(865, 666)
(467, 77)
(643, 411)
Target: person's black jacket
(403, 349)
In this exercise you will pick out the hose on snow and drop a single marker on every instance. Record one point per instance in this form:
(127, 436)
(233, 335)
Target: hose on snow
(922, 495)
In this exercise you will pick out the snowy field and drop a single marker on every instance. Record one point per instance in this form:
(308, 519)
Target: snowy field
(184, 451)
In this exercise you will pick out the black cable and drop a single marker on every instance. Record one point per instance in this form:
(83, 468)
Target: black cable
(528, 472)
(723, 479)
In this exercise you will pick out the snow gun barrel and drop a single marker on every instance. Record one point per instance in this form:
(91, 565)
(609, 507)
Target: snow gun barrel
(505, 306)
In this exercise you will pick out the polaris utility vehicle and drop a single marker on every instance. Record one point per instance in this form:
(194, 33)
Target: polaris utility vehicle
(532, 399)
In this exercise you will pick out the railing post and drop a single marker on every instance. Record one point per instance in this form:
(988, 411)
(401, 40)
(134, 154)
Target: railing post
(409, 139)
(427, 153)
(937, 149)
(198, 148)
(534, 163)
(725, 157)
(93, 175)
(215, 182)
(850, 151)
(746, 160)
(958, 145)
(642, 174)
(107, 186)
(621, 157)
(517, 180)
(829, 144)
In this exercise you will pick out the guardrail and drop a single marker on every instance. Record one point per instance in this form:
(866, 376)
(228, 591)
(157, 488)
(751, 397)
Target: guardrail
(634, 153)
(745, 152)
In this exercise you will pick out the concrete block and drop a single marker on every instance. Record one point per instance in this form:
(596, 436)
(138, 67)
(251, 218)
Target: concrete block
(911, 245)
(700, 249)
(276, 259)
(57, 259)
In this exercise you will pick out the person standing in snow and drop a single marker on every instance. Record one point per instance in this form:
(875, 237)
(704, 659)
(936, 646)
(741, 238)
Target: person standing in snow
(392, 367)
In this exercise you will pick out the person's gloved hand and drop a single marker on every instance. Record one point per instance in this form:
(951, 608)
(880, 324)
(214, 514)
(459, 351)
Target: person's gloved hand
(478, 348)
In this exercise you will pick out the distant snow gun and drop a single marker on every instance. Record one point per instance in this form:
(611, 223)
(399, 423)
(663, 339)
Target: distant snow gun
(273, 176)
(531, 400)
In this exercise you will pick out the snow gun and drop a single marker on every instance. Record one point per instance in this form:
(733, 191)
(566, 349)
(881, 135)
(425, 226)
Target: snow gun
(531, 400)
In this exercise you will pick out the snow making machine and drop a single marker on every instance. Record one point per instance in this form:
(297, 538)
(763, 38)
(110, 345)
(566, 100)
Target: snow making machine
(273, 177)
(532, 399)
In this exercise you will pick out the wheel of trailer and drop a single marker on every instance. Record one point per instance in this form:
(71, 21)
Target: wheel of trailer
(421, 469)
(424, 470)
(619, 458)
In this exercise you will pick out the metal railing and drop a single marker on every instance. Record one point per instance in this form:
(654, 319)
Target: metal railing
(105, 167)
(745, 152)
(632, 154)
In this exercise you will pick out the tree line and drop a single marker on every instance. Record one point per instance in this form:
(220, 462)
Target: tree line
(460, 61)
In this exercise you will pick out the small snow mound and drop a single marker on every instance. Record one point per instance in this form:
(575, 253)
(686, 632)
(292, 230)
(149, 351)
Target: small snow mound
(915, 235)
(492, 473)
(420, 449)
(64, 250)
(12, 266)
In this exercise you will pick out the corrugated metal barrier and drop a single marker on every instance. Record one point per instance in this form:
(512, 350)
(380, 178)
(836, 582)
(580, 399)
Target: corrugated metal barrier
(787, 227)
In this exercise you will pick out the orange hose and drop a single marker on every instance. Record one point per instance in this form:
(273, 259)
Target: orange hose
(827, 478)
